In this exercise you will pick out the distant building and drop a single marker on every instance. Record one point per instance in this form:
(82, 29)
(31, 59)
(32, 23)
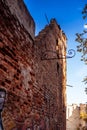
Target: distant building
(74, 118)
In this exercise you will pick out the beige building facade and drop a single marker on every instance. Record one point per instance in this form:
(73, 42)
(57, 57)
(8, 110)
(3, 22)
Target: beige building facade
(74, 118)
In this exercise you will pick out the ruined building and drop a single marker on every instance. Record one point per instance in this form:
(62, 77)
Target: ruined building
(76, 117)
(32, 70)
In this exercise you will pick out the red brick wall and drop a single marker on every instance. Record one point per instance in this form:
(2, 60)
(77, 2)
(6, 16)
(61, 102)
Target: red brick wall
(35, 88)
(16, 67)
(51, 76)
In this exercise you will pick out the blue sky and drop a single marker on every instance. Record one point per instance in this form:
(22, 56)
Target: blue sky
(69, 17)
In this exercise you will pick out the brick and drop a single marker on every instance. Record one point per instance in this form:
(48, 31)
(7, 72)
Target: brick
(35, 87)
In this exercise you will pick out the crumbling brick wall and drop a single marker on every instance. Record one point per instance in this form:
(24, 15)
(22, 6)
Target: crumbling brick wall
(51, 76)
(16, 66)
(35, 87)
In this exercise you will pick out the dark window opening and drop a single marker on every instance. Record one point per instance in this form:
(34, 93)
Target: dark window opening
(57, 67)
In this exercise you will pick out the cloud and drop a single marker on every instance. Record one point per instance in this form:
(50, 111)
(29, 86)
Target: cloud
(85, 26)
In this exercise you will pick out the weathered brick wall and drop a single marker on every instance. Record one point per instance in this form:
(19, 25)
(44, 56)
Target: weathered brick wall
(35, 88)
(16, 66)
(18, 8)
(50, 76)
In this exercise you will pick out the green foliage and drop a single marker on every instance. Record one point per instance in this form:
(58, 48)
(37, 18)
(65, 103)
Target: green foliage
(84, 12)
(81, 38)
(83, 116)
(85, 80)
(86, 88)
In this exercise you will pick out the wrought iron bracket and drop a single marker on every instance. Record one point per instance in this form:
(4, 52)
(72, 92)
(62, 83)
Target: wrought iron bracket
(53, 55)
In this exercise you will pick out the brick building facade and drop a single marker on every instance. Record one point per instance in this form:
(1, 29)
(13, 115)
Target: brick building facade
(34, 84)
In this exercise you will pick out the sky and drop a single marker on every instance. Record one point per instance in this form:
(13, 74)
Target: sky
(69, 17)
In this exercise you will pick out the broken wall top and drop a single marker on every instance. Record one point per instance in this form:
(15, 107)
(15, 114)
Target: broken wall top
(18, 8)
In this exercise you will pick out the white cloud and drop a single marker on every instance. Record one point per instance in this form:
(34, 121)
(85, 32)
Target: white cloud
(85, 26)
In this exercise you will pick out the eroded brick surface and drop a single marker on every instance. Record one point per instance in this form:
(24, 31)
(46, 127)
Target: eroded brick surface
(35, 87)
(51, 74)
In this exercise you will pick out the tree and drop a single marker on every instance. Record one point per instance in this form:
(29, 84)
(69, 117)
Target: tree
(81, 38)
